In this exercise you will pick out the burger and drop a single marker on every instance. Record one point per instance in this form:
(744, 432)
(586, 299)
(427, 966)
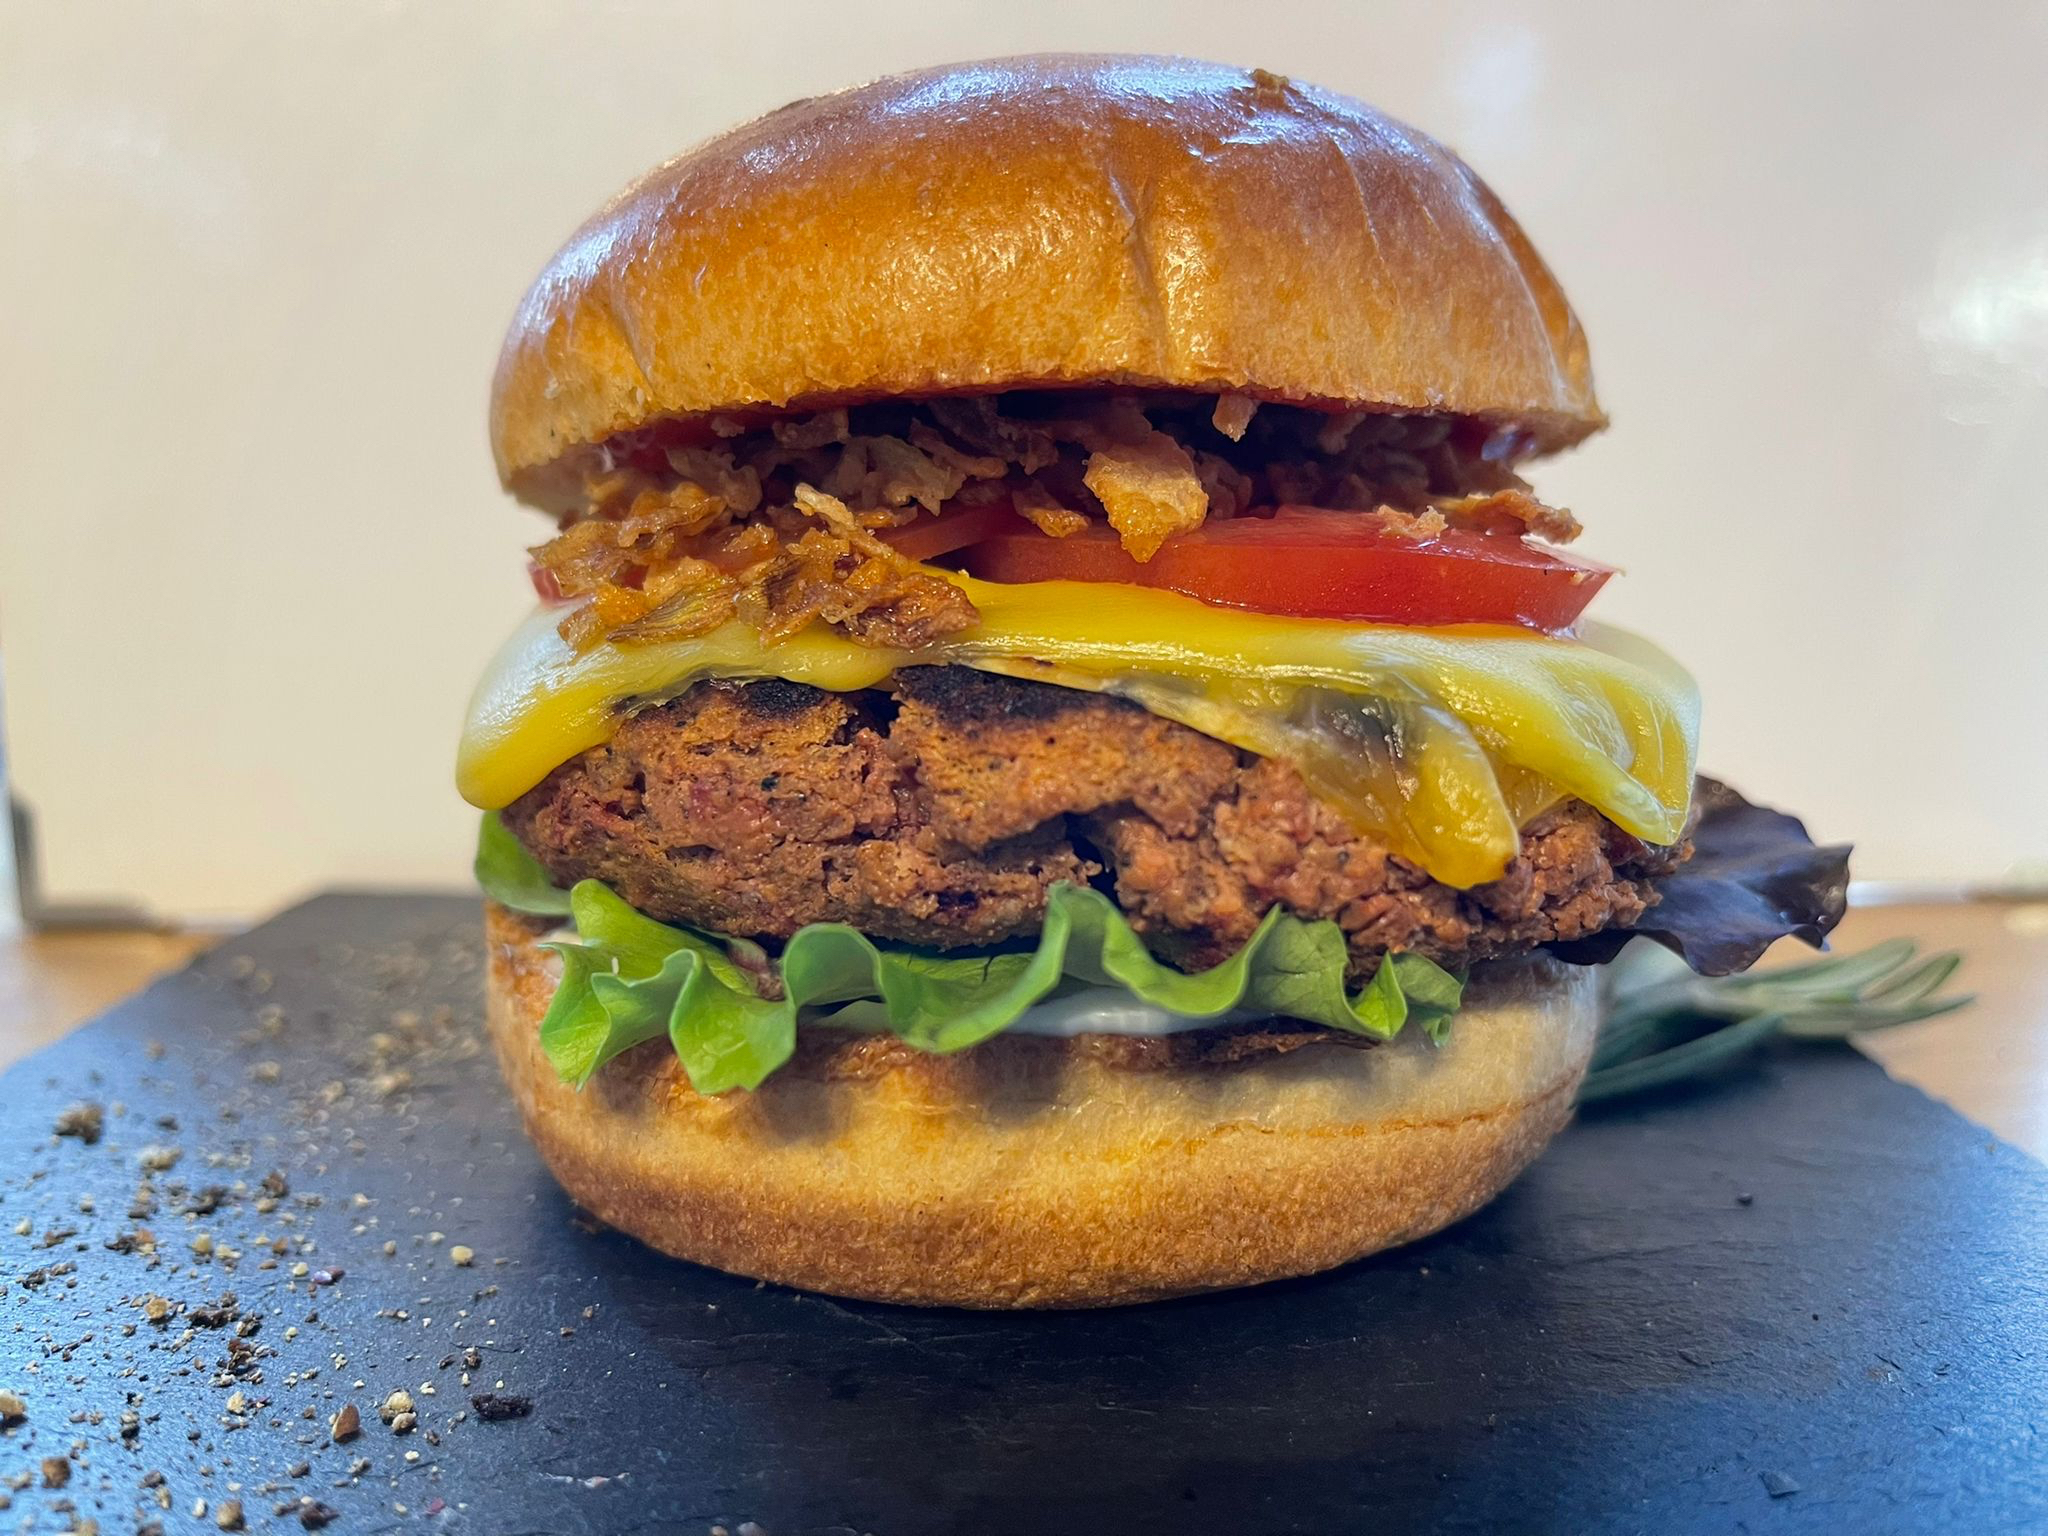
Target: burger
(1059, 760)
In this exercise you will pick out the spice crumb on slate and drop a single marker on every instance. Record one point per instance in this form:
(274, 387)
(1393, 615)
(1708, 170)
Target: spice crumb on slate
(494, 1407)
(1745, 1199)
(219, 1339)
(1778, 1485)
(84, 1121)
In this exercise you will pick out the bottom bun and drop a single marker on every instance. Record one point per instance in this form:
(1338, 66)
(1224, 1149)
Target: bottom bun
(1037, 1172)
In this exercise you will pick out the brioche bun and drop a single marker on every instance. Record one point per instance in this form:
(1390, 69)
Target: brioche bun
(1031, 1172)
(1051, 221)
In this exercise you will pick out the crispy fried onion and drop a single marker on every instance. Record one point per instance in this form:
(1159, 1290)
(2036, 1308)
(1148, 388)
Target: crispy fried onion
(1512, 511)
(662, 575)
(778, 522)
(1150, 490)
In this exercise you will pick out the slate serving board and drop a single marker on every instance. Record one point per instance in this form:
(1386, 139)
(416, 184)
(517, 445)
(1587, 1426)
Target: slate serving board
(1804, 1299)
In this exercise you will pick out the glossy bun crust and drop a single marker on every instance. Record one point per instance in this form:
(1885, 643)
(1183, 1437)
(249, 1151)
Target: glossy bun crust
(1033, 1172)
(1054, 221)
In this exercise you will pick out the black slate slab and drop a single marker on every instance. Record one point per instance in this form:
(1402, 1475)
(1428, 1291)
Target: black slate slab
(1808, 1299)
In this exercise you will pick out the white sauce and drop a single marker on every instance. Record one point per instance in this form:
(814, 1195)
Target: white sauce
(1107, 1011)
(1084, 1011)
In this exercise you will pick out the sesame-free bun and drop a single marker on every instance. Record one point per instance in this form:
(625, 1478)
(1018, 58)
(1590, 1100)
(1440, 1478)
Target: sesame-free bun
(1049, 221)
(1036, 1172)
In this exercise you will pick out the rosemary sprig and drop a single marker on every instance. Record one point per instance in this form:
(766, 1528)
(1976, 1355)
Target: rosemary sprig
(1663, 1024)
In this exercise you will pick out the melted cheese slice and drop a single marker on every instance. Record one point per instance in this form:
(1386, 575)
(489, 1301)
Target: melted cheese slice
(1442, 742)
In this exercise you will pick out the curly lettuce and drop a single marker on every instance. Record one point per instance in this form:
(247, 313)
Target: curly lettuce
(628, 979)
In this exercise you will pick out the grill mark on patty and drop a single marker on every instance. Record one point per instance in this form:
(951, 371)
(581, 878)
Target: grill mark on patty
(775, 698)
(964, 696)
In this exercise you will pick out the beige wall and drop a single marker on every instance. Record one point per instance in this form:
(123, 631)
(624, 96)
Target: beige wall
(255, 258)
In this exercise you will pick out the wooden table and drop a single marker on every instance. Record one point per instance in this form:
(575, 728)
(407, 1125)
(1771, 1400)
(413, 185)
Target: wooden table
(1989, 1062)
(51, 982)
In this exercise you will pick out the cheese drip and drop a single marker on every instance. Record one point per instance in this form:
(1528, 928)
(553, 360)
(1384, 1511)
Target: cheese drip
(1441, 742)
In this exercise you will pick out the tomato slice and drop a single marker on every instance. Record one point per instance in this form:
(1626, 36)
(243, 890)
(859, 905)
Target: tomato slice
(930, 537)
(1314, 562)
(545, 586)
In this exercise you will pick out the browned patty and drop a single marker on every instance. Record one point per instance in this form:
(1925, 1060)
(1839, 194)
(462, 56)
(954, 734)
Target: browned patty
(941, 811)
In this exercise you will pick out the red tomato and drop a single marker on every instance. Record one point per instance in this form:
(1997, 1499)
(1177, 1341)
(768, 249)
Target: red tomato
(1316, 563)
(545, 586)
(930, 537)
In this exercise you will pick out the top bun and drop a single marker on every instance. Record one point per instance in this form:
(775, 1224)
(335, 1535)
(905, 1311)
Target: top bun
(1045, 222)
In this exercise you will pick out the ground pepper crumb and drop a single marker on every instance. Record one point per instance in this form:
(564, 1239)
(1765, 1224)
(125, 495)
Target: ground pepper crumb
(494, 1407)
(82, 1121)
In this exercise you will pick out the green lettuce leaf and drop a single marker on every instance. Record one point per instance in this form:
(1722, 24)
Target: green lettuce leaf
(511, 876)
(630, 978)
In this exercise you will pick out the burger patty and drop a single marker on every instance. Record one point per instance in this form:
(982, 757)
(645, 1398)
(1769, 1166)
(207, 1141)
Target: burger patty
(940, 812)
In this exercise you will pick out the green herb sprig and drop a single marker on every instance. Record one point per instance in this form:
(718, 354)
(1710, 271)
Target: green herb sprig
(1663, 1025)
